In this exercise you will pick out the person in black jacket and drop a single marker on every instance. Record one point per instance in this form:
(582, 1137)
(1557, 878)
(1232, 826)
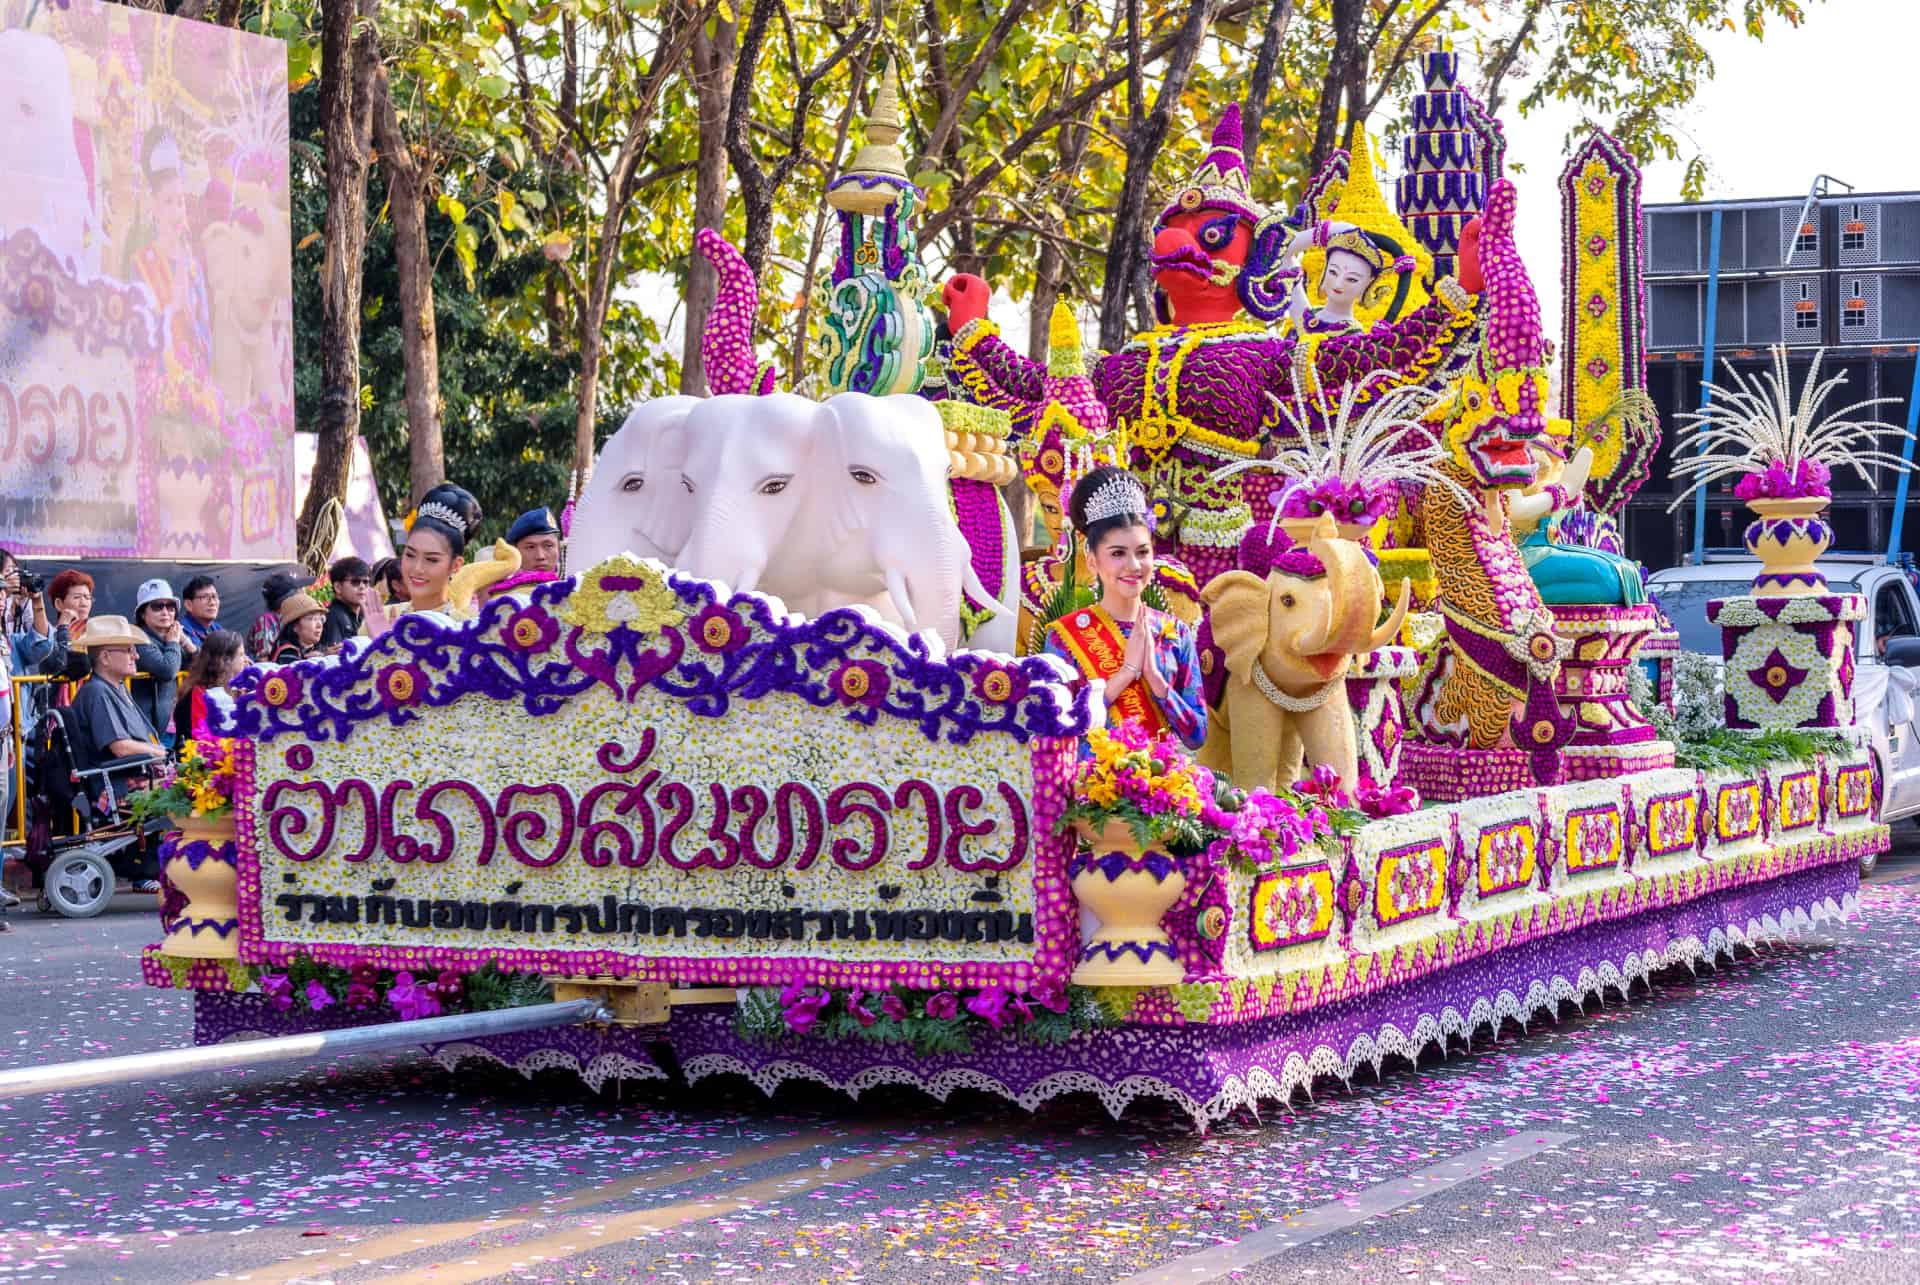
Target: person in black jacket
(156, 613)
(346, 614)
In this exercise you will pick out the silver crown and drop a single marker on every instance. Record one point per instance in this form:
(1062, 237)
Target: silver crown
(441, 513)
(1114, 497)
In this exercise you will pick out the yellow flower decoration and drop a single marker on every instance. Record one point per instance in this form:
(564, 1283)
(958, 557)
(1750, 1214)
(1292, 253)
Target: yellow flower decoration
(623, 591)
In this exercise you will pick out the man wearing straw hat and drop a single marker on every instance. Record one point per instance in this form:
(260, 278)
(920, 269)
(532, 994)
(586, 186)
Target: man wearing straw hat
(112, 724)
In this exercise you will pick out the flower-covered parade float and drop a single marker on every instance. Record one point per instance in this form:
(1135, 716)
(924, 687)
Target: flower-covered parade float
(1362, 772)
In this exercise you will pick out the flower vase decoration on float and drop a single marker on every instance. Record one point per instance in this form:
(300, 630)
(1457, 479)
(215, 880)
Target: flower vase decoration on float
(199, 874)
(1194, 392)
(1788, 645)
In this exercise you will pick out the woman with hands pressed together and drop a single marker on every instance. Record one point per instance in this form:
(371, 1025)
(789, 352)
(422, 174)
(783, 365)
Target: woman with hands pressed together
(1145, 660)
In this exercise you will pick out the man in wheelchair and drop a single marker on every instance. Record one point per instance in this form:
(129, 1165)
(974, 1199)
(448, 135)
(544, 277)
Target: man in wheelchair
(109, 747)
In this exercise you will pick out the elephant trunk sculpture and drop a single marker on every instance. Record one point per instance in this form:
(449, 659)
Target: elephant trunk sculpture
(726, 349)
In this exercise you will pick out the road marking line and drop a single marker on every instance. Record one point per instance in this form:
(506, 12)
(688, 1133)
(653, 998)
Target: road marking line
(622, 1227)
(427, 1235)
(1312, 1224)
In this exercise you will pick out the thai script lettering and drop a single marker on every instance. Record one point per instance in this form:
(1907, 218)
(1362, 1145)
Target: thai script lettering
(638, 818)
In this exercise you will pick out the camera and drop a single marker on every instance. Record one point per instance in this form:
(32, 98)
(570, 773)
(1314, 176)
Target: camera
(30, 583)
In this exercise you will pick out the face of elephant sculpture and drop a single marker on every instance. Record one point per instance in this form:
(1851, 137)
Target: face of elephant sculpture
(1286, 641)
(828, 504)
(638, 500)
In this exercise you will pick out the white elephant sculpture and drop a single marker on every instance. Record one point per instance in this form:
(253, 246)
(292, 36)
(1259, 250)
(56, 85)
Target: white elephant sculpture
(636, 501)
(821, 504)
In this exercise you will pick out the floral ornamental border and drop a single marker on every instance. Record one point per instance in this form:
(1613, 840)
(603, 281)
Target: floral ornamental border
(1668, 834)
(1853, 788)
(1738, 808)
(1410, 882)
(1055, 920)
(1797, 795)
(1291, 907)
(1507, 856)
(632, 625)
(1595, 837)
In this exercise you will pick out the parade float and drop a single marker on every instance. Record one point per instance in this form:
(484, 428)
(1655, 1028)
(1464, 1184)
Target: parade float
(760, 774)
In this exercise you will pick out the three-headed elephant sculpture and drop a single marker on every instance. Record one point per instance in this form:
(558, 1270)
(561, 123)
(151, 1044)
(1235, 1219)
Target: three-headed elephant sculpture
(821, 504)
(1278, 647)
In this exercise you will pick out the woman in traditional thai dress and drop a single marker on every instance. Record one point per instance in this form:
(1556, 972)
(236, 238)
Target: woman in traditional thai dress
(1145, 660)
(436, 548)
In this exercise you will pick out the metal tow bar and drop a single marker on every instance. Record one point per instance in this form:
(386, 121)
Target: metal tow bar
(171, 1063)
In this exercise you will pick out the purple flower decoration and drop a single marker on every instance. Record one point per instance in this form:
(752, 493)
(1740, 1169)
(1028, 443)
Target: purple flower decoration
(718, 629)
(412, 1000)
(278, 988)
(861, 682)
(1376, 802)
(1346, 501)
(1805, 480)
(991, 1006)
(892, 1008)
(531, 629)
(360, 995)
(401, 685)
(280, 688)
(943, 1005)
(1051, 995)
(999, 684)
(318, 999)
(857, 1005)
(449, 987)
(802, 1005)
(1264, 549)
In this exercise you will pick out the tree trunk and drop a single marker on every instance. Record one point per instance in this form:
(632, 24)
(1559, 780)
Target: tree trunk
(1346, 16)
(407, 179)
(1127, 249)
(713, 87)
(1253, 114)
(680, 22)
(346, 74)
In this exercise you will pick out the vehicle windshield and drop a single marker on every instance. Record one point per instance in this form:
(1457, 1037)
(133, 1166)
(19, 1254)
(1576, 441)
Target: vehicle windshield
(1685, 602)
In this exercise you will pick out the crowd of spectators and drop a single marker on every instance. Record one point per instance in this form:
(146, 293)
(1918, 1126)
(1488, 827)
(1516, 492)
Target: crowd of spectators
(138, 685)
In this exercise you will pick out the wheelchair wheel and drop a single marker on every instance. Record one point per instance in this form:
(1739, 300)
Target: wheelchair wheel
(78, 884)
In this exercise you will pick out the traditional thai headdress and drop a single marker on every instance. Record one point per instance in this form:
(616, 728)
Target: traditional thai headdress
(1382, 255)
(435, 511)
(1221, 181)
(1118, 496)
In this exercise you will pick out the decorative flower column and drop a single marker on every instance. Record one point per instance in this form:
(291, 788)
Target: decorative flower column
(1789, 660)
(201, 883)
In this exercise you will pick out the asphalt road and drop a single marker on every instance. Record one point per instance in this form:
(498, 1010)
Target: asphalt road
(1757, 1122)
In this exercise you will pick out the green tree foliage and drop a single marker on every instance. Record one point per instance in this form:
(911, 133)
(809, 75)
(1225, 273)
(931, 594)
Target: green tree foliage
(545, 115)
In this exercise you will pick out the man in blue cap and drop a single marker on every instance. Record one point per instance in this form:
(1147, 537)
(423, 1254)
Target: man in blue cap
(537, 536)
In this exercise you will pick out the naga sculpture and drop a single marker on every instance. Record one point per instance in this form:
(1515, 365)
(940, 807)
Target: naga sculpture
(1196, 391)
(1489, 685)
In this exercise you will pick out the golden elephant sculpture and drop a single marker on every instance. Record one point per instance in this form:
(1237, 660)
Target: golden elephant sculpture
(1276, 651)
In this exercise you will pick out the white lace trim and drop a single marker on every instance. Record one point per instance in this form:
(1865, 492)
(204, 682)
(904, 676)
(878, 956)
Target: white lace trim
(1297, 1071)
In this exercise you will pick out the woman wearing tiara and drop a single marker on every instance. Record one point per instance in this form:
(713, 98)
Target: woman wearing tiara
(433, 564)
(1146, 660)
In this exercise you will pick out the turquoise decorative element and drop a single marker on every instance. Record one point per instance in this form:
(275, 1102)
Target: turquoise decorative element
(1570, 574)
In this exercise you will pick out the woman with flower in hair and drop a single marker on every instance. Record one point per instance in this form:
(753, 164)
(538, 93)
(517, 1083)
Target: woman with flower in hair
(1145, 660)
(434, 565)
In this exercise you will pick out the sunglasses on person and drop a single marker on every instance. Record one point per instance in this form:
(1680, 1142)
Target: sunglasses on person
(359, 581)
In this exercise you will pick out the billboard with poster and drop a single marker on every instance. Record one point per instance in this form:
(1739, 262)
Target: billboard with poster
(146, 348)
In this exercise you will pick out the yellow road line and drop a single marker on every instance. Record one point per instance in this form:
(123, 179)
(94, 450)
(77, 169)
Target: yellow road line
(628, 1226)
(392, 1245)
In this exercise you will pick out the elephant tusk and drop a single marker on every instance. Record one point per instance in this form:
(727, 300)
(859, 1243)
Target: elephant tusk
(902, 602)
(971, 584)
(1386, 633)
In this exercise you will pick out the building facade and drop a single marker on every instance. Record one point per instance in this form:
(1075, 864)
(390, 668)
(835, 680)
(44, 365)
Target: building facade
(1845, 277)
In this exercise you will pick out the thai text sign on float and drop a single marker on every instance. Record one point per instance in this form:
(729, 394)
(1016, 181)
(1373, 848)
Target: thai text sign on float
(629, 776)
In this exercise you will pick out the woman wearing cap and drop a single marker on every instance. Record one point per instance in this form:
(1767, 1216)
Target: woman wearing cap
(156, 614)
(302, 621)
(1145, 660)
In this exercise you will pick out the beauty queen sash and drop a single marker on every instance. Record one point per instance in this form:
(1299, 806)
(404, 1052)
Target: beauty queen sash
(1098, 647)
